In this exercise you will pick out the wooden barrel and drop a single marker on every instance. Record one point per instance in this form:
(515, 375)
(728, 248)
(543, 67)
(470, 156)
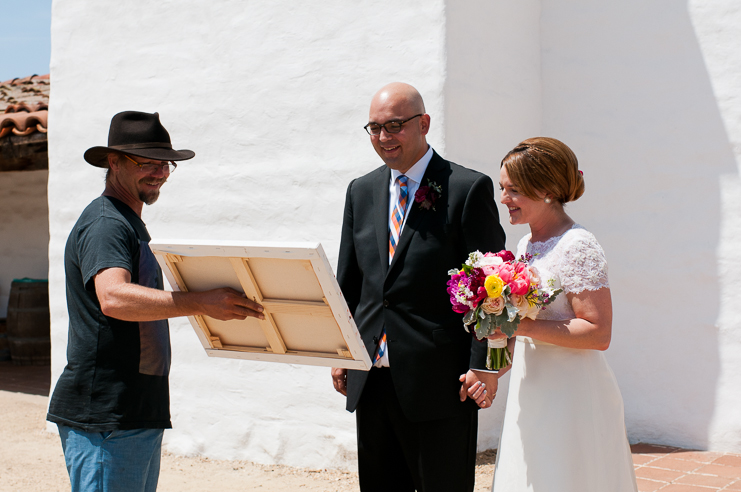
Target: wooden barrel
(4, 347)
(29, 325)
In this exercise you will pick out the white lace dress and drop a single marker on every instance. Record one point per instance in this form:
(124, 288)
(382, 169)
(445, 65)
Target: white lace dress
(564, 429)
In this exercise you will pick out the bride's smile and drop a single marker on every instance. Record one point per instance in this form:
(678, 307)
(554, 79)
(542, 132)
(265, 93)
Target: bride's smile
(522, 209)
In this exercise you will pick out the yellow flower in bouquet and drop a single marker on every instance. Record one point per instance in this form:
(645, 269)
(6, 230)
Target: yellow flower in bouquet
(494, 286)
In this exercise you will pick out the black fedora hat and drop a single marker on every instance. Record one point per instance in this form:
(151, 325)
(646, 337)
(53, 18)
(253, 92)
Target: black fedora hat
(138, 134)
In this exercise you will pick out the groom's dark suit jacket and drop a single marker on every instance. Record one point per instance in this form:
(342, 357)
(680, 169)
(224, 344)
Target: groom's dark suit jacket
(428, 346)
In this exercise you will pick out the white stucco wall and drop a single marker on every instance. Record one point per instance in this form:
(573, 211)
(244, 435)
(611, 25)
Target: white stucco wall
(646, 93)
(717, 33)
(24, 229)
(272, 97)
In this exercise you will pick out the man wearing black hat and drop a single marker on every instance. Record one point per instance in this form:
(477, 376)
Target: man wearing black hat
(111, 403)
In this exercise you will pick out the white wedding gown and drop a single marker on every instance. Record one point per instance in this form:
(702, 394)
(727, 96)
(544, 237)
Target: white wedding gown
(564, 429)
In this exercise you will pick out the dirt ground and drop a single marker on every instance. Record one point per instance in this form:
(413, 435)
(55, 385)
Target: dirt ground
(31, 461)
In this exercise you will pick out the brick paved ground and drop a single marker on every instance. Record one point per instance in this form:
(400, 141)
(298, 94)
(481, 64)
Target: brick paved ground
(680, 470)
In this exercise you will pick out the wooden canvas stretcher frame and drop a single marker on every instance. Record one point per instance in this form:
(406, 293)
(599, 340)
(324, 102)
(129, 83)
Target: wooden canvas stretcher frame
(307, 320)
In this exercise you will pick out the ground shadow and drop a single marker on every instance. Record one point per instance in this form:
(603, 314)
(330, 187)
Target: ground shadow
(32, 380)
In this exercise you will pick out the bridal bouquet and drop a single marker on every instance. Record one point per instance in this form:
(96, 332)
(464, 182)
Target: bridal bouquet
(494, 290)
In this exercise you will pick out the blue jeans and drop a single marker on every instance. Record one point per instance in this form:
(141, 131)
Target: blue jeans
(112, 461)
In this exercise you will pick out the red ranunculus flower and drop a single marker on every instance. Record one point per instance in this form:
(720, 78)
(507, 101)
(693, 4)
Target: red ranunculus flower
(506, 255)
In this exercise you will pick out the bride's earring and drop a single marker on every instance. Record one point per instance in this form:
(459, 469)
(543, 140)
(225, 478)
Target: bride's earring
(547, 200)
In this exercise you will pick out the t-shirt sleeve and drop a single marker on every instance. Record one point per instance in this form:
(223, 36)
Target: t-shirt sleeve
(584, 266)
(106, 243)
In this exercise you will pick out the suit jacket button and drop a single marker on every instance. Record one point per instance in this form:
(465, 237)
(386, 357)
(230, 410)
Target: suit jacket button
(385, 303)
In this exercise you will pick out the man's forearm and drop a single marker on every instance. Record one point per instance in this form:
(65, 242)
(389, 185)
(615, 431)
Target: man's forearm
(132, 302)
(121, 299)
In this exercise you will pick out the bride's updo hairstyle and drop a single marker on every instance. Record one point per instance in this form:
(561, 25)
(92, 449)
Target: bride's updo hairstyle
(544, 166)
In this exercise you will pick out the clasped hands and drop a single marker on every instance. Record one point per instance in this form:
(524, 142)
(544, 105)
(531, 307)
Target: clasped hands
(481, 386)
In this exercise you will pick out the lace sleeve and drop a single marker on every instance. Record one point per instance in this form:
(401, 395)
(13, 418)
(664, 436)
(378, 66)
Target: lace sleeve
(584, 264)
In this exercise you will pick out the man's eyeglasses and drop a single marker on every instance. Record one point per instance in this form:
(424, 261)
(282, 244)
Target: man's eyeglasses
(393, 126)
(150, 168)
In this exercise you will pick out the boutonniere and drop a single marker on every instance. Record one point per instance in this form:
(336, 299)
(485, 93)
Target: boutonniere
(426, 196)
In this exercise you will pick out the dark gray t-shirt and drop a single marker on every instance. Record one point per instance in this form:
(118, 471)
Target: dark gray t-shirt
(116, 373)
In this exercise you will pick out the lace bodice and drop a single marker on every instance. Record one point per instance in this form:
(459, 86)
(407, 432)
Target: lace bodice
(574, 260)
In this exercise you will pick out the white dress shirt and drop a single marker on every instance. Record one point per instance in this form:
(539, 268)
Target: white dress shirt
(414, 175)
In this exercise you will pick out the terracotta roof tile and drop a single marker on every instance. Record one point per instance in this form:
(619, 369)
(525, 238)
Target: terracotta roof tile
(25, 102)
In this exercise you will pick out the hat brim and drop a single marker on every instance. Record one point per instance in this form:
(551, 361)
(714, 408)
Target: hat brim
(98, 156)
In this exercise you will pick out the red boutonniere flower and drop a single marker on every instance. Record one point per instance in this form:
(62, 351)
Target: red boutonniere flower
(426, 196)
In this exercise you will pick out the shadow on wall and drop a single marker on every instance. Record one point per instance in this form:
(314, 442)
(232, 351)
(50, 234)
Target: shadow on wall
(626, 86)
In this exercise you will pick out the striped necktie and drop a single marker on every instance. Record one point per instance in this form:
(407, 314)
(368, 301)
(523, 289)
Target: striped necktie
(397, 217)
(397, 220)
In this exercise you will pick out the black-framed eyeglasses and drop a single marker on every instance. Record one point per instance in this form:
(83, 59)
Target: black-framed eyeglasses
(151, 168)
(393, 126)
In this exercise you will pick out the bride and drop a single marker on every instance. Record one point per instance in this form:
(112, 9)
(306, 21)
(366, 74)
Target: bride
(564, 427)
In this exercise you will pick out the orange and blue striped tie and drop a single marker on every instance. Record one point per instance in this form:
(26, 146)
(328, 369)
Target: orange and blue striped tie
(397, 220)
(397, 217)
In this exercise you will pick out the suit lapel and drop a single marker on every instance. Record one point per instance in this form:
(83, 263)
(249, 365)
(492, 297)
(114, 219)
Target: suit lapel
(381, 211)
(414, 214)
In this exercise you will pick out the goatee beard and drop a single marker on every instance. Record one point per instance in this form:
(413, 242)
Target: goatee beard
(149, 198)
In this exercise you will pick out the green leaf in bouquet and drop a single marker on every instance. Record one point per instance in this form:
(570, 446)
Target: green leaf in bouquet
(470, 317)
(483, 327)
(509, 327)
(500, 318)
(511, 312)
(552, 296)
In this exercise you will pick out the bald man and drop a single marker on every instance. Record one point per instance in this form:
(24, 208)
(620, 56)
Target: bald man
(405, 225)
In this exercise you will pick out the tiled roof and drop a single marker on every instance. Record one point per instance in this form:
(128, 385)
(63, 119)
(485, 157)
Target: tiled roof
(25, 105)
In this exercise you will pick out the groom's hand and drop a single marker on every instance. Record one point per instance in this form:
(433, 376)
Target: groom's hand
(480, 386)
(339, 379)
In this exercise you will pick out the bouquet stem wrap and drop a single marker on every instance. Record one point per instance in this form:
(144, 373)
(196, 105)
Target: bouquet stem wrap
(498, 355)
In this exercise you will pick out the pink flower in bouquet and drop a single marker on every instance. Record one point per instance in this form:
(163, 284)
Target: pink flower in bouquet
(520, 286)
(490, 264)
(493, 305)
(506, 272)
(453, 290)
(517, 276)
(466, 291)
